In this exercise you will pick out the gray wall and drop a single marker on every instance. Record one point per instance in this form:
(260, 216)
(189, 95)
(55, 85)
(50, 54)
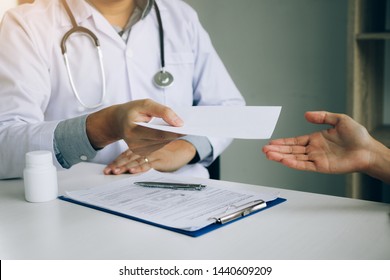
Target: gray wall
(281, 52)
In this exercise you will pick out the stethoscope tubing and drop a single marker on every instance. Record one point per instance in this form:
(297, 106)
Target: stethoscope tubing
(161, 36)
(79, 29)
(75, 91)
(161, 79)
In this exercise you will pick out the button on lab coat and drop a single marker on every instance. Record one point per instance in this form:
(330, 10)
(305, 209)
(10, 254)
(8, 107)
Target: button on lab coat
(35, 93)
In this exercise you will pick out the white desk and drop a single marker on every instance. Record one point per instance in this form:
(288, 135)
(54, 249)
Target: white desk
(306, 226)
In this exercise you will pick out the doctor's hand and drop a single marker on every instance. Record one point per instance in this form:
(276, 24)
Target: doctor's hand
(344, 148)
(117, 122)
(170, 158)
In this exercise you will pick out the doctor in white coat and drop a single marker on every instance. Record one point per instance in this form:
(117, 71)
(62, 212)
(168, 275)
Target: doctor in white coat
(81, 111)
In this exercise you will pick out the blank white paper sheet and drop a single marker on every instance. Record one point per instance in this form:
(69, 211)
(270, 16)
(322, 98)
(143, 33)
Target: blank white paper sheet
(241, 122)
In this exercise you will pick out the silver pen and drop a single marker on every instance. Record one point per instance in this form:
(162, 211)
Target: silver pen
(175, 186)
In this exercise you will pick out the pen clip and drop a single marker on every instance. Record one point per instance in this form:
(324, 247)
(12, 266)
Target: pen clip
(258, 204)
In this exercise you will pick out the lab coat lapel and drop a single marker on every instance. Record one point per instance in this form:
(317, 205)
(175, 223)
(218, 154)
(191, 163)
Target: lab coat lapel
(83, 12)
(104, 28)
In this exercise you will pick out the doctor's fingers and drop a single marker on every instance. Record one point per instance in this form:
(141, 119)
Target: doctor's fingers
(145, 164)
(148, 108)
(144, 110)
(133, 165)
(122, 163)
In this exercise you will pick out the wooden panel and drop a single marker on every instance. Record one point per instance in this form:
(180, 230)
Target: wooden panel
(365, 81)
(373, 36)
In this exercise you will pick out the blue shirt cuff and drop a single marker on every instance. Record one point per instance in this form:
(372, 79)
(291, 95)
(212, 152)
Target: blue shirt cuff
(71, 143)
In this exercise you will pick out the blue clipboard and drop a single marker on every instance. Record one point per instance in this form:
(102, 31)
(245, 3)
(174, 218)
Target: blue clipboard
(195, 233)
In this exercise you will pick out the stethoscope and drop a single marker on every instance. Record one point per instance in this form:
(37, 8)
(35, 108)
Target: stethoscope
(162, 79)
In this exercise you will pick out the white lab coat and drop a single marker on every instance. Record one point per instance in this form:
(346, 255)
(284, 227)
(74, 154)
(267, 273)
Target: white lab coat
(35, 93)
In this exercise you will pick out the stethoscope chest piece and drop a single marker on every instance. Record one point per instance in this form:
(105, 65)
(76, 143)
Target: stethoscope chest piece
(163, 79)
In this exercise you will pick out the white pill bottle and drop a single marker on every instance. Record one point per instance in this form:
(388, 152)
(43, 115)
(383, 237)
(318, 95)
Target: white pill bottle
(40, 177)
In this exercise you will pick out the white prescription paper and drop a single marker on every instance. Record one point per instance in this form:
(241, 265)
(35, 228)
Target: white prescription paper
(182, 209)
(241, 122)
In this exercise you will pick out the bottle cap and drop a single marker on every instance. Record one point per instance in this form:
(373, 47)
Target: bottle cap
(38, 158)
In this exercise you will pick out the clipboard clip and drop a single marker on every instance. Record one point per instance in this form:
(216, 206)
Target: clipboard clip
(258, 204)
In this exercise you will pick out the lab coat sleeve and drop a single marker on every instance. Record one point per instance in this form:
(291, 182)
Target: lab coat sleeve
(24, 95)
(212, 83)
